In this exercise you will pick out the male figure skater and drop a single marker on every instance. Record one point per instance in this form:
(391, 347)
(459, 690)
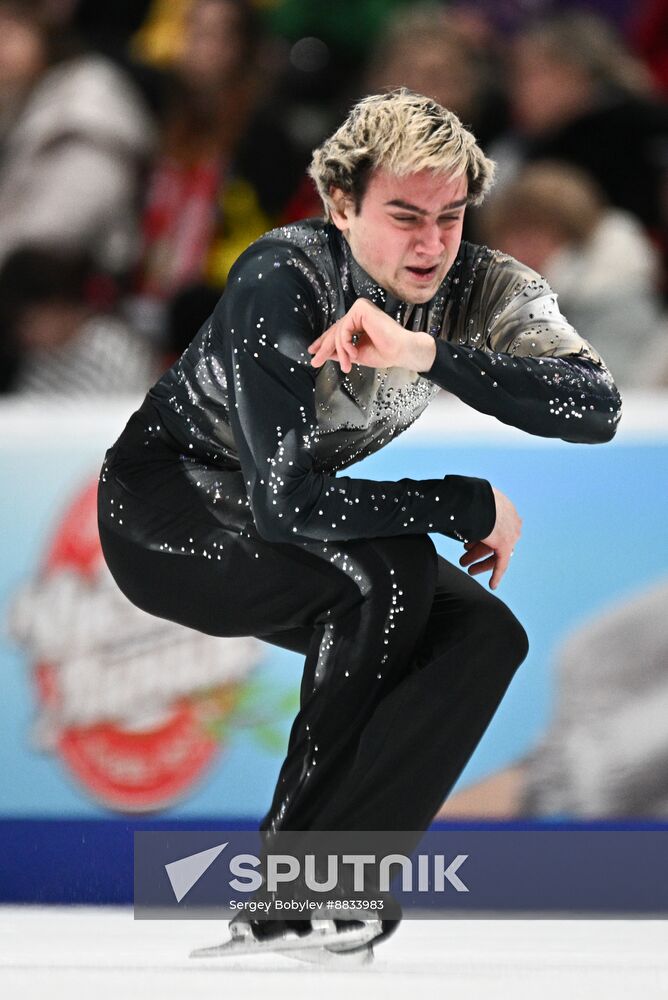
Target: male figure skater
(220, 506)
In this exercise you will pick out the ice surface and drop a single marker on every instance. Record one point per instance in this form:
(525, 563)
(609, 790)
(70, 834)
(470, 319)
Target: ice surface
(63, 953)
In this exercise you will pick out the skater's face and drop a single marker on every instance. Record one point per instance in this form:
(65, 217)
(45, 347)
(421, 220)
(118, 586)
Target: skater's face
(407, 232)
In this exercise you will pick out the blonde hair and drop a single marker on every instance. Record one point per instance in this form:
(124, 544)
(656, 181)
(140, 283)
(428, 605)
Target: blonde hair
(403, 133)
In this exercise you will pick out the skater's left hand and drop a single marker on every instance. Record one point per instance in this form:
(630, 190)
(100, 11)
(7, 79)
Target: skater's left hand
(379, 342)
(495, 552)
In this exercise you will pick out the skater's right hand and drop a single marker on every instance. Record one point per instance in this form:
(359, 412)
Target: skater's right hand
(495, 551)
(367, 336)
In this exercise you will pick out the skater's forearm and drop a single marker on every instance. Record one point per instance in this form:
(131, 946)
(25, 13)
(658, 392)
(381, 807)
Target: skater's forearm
(569, 397)
(320, 507)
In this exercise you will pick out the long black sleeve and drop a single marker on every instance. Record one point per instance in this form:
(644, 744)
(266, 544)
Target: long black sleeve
(566, 397)
(270, 313)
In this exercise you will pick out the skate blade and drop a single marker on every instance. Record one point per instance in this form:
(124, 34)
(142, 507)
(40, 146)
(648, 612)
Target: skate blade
(317, 939)
(355, 958)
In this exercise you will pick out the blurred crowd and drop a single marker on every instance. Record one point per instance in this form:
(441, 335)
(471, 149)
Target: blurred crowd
(145, 144)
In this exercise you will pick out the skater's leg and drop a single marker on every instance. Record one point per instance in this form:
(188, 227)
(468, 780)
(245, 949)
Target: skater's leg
(231, 585)
(354, 661)
(423, 733)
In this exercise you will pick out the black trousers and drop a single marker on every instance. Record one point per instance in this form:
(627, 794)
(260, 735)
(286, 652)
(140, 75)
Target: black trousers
(406, 660)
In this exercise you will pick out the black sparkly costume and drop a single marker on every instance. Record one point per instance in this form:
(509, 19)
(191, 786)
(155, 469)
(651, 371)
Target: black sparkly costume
(220, 508)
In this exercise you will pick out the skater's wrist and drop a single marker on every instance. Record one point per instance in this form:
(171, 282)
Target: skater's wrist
(422, 353)
(471, 508)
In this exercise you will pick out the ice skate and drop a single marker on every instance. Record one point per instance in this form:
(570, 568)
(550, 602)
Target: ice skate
(322, 941)
(347, 950)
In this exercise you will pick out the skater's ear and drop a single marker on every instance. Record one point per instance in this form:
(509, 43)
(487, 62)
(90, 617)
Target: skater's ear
(341, 208)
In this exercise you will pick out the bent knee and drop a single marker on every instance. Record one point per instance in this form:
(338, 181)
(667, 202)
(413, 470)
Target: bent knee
(503, 635)
(517, 641)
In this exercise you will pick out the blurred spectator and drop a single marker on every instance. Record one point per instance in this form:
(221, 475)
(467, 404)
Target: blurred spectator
(599, 260)
(225, 168)
(578, 96)
(433, 51)
(74, 135)
(54, 340)
(110, 29)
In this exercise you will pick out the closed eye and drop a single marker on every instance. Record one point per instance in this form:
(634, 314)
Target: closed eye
(414, 218)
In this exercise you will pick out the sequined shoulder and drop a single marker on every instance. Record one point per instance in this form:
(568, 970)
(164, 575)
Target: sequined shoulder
(305, 246)
(498, 303)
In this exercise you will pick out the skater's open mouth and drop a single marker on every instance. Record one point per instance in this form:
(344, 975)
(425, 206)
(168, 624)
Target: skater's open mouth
(423, 273)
